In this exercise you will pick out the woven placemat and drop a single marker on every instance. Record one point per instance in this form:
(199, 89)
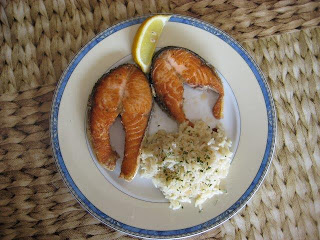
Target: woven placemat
(39, 38)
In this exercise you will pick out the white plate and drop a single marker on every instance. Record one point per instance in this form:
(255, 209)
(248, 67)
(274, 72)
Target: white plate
(137, 208)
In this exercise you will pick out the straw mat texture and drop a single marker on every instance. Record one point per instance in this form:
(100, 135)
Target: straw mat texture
(39, 38)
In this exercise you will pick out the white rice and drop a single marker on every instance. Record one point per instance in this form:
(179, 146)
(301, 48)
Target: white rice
(188, 164)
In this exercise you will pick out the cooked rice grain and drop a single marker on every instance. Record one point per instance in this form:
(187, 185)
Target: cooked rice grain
(188, 164)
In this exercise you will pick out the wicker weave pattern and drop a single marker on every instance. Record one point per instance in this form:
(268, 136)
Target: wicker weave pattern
(288, 204)
(38, 38)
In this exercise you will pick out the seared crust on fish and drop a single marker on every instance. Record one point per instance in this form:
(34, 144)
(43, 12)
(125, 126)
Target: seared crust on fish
(123, 91)
(171, 68)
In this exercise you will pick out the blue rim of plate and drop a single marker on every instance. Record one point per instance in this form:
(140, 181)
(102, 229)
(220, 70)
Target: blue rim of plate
(179, 233)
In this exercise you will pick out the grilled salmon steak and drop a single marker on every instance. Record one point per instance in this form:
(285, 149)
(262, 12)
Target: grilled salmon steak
(124, 91)
(174, 66)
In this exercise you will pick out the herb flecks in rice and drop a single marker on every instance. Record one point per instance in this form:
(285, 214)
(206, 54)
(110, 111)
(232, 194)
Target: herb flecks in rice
(188, 164)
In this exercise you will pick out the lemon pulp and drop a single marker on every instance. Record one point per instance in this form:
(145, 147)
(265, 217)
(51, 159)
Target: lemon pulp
(146, 39)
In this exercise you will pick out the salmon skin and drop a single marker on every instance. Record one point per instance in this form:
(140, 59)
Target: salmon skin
(124, 91)
(171, 68)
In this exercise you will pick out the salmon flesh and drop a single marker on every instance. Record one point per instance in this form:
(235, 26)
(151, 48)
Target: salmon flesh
(124, 91)
(174, 66)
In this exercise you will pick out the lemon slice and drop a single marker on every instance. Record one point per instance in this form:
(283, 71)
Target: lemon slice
(146, 38)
